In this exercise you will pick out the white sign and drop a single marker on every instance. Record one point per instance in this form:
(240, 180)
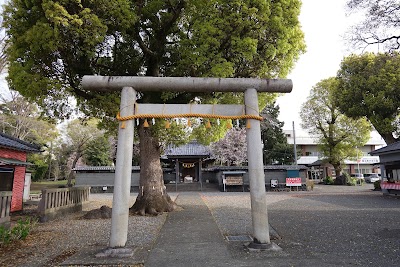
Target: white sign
(296, 181)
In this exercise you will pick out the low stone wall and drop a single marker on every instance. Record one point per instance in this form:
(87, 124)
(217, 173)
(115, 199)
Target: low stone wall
(5, 205)
(59, 201)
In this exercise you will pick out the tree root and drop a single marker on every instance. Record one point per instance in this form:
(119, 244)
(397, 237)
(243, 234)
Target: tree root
(145, 207)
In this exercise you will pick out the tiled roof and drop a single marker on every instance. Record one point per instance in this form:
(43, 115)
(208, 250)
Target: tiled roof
(266, 167)
(387, 149)
(17, 144)
(107, 168)
(100, 168)
(14, 162)
(190, 149)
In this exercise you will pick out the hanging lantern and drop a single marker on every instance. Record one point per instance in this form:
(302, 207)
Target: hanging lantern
(188, 165)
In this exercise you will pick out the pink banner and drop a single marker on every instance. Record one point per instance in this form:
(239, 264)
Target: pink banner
(390, 186)
(293, 181)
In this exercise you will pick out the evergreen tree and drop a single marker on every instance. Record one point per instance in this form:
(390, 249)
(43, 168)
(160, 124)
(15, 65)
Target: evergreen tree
(52, 44)
(369, 86)
(276, 149)
(97, 152)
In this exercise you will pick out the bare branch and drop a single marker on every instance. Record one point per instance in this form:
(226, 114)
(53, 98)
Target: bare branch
(379, 27)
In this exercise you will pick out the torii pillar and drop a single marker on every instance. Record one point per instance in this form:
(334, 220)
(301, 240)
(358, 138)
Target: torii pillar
(119, 223)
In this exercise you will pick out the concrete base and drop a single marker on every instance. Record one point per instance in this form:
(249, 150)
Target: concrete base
(255, 246)
(115, 253)
(100, 256)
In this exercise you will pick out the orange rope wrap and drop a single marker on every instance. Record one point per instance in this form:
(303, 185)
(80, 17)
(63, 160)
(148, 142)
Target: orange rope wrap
(188, 115)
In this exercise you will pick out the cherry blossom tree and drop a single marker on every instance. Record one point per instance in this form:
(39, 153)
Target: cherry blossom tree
(232, 149)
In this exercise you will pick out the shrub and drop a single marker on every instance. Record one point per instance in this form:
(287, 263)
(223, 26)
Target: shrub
(342, 179)
(5, 235)
(351, 181)
(377, 185)
(40, 171)
(20, 231)
(328, 180)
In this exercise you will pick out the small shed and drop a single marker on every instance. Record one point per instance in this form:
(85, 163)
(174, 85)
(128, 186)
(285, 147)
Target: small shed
(13, 154)
(389, 157)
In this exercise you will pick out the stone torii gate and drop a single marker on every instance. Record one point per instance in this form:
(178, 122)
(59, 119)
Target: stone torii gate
(131, 84)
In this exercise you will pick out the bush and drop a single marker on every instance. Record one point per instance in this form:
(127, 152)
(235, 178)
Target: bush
(351, 181)
(342, 179)
(355, 181)
(328, 180)
(377, 185)
(20, 231)
(40, 171)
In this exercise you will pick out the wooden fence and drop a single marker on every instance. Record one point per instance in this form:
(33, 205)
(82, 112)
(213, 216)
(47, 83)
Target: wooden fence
(59, 201)
(5, 206)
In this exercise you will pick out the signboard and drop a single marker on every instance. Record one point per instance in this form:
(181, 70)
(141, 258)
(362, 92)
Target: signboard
(293, 181)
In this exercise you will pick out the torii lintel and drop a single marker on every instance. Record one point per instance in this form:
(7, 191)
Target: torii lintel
(188, 84)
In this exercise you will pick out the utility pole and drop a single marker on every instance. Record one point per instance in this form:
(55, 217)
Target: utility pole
(294, 145)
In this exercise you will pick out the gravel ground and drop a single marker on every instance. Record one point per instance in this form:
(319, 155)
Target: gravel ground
(51, 243)
(330, 226)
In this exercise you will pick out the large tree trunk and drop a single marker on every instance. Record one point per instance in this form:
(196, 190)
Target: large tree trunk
(338, 168)
(71, 175)
(389, 138)
(153, 198)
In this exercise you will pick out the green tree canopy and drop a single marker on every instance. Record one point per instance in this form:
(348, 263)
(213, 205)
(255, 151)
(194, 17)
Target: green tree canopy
(3, 45)
(338, 135)
(369, 86)
(53, 44)
(97, 152)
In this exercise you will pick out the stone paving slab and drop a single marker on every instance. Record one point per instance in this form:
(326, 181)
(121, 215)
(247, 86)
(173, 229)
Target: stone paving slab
(190, 238)
(87, 257)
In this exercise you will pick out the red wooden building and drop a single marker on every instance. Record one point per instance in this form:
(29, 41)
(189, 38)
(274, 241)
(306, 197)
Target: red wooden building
(13, 153)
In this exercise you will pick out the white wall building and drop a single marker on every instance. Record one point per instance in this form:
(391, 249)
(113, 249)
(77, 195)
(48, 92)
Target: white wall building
(307, 146)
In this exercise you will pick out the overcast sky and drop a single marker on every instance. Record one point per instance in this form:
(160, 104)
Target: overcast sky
(323, 23)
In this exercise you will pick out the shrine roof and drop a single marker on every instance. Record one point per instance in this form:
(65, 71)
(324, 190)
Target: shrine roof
(193, 148)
